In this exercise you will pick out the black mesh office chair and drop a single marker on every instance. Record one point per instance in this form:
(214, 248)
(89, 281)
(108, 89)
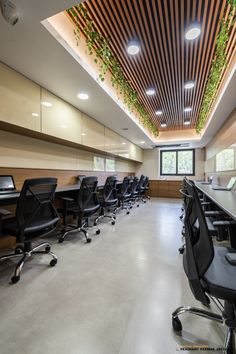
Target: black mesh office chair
(35, 216)
(84, 206)
(210, 270)
(141, 188)
(218, 223)
(124, 195)
(108, 200)
(134, 191)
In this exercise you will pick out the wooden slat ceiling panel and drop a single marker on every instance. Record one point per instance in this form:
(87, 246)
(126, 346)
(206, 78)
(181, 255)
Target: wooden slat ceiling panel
(166, 59)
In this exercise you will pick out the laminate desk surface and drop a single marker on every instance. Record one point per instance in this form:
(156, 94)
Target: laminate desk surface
(226, 200)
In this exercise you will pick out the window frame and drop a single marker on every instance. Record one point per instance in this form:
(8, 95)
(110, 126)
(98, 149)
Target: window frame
(176, 152)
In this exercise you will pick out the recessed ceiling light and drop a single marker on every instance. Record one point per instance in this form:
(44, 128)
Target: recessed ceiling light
(35, 114)
(192, 33)
(83, 96)
(133, 48)
(46, 104)
(151, 91)
(83, 134)
(187, 122)
(189, 85)
(142, 142)
(158, 112)
(64, 126)
(187, 109)
(123, 143)
(163, 124)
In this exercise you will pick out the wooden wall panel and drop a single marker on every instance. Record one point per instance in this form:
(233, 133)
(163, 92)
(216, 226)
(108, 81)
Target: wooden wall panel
(65, 177)
(164, 188)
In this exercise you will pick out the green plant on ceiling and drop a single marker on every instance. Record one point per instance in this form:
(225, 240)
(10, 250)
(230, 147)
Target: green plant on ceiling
(218, 65)
(104, 57)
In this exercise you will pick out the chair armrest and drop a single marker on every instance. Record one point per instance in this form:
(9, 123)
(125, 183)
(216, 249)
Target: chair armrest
(214, 213)
(223, 223)
(67, 199)
(231, 258)
(4, 212)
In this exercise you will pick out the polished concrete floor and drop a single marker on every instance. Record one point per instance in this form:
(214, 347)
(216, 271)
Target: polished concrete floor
(113, 296)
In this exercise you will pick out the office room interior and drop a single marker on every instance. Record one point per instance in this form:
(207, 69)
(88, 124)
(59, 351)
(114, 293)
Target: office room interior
(117, 176)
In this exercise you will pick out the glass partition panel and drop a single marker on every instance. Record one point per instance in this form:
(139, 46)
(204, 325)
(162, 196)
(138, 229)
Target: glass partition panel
(98, 163)
(225, 160)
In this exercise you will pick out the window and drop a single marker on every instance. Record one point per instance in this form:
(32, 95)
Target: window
(98, 163)
(225, 160)
(178, 162)
(110, 165)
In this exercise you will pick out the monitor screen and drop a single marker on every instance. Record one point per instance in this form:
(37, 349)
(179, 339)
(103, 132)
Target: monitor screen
(231, 182)
(6, 183)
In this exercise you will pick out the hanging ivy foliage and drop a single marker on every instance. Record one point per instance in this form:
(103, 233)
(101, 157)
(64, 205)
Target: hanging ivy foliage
(218, 65)
(99, 45)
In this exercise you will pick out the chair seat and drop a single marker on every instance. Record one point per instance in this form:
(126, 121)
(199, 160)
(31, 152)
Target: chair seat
(220, 278)
(86, 212)
(109, 202)
(11, 226)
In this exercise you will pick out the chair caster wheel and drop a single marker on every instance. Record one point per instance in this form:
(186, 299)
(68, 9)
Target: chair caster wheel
(88, 240)
(60, 240)
(137, 205)
(181, 250)
(98, 232)
(113, 222)
(53, 262)
(18, 250)
(127, 213)
(114, 217)
(15, 279)
(176, 324)
(95, 223)
(47, 249)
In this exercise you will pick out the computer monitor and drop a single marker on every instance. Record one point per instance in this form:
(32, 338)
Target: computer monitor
(7, 183)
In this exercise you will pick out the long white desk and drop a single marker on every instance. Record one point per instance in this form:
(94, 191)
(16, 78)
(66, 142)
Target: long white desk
(225, 200)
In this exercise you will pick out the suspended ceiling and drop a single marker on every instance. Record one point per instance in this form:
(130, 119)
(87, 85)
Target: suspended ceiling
(166, 59)
(31, 50)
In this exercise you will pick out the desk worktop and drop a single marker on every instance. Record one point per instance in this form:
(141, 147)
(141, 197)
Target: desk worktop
(226, 200)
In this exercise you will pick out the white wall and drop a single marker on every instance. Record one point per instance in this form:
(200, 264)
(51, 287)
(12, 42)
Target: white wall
(151, 165)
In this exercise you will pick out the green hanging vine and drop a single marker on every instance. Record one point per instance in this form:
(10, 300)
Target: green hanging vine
(218, 65)
(99, 45)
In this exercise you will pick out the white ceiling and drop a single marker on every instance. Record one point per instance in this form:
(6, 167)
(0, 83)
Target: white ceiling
(30, 49)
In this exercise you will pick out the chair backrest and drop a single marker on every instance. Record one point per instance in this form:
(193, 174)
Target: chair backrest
(134, 185)
(35, 203)
(140, 183)
(109, 189)
(87, 196)
(145, 182)
(125, 185)
(199, 251)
